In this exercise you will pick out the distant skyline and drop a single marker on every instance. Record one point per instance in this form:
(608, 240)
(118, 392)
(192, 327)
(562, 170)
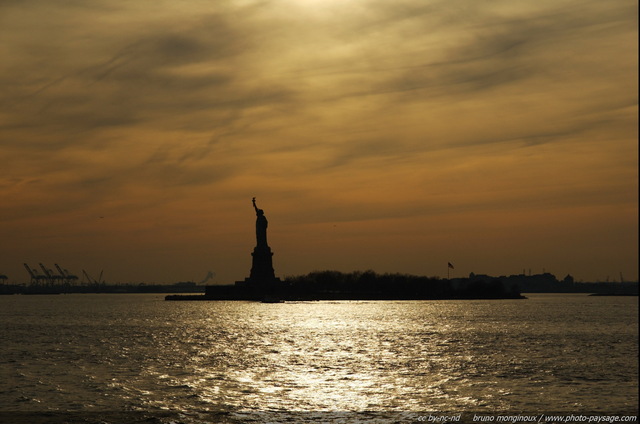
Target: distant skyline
(397, 136)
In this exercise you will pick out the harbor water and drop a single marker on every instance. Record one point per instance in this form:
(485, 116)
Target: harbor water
(135, 357)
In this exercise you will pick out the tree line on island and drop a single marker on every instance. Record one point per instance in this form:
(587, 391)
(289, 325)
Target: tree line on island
(371, 285)
(357, 285)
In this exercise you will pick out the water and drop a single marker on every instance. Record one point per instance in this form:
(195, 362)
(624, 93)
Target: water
(230, 361)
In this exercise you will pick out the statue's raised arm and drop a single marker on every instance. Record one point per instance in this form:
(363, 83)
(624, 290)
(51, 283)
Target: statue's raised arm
(254, 204)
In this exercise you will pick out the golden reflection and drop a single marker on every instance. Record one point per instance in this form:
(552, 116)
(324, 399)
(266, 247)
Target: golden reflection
(336, 356)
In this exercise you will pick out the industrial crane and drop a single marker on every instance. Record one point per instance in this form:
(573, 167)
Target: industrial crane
(33, 273)
(53, 278)
(91, 280)
(68, 278)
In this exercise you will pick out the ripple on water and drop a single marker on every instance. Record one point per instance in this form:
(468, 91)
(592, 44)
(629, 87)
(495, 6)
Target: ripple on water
(140, 353)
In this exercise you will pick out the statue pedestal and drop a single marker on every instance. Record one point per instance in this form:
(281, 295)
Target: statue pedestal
(262, 264)
(262, 274)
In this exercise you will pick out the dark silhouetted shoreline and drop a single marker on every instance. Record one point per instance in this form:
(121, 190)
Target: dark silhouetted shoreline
(335, 285)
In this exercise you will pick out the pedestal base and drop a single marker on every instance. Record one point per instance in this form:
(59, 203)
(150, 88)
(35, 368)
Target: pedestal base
(262, 264)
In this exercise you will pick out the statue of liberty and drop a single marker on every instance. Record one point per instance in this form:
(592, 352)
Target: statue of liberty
(262, 263)
(262, 283)
(261, 225)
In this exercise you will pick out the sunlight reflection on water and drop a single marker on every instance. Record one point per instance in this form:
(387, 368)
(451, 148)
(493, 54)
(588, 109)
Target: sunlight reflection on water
(137, 352)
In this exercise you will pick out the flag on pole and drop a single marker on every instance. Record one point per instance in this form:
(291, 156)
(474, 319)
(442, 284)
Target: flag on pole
(450, 265)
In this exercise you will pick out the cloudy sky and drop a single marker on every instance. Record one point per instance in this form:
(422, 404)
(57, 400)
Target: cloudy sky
(397, 136)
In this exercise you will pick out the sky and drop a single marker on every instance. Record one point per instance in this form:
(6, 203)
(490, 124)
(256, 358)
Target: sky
(396, 136)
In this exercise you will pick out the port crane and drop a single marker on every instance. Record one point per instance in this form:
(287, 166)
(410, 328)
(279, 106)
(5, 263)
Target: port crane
(89, 279)
(92, 280)
(53, 278)
(68, 278)
(35, 277)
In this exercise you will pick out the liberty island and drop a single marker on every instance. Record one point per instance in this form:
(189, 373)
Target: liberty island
(263, 285)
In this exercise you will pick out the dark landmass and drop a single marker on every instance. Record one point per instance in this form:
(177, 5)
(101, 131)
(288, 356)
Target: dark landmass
(33, 289)
(352, 286)
(335, 285)
(548, 283)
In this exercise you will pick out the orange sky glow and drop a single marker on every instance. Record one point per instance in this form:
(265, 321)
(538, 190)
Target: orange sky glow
(395, 136)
